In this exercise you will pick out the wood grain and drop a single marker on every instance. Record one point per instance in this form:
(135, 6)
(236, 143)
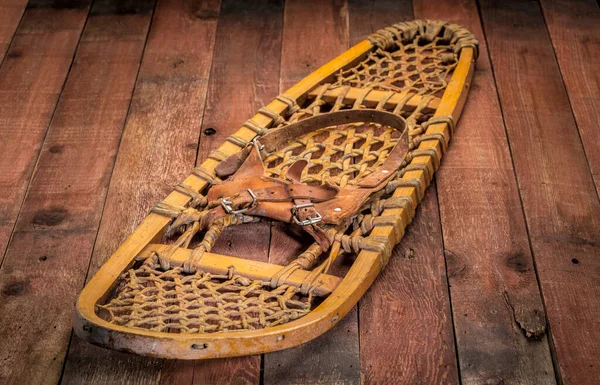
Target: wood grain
(498, 312)
(309, 41)
(490, 268)
(31, 79)
(406, 312)
(559, 198)
(157, 150)
(332, 358)
(369, 16)
(47, 258)
(242, 80)
(573, 28)
(11, 12)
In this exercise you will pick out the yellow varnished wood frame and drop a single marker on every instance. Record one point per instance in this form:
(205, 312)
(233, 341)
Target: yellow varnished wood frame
(89, 326)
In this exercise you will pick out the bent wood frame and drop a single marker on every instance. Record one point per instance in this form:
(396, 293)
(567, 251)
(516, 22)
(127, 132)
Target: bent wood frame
(89, 326)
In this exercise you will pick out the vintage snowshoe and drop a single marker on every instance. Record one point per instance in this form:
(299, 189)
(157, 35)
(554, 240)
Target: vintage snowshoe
(345, 155)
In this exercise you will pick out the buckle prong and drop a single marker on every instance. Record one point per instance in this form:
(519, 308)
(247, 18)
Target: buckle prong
(307, 221)
(226, 203)
(256, 143)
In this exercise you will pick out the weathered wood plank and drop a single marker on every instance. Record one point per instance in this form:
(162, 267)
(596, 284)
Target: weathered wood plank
(369, 16)
(11, 12)
(573, 27)
(496, 302)
(103, 367)
(31, 79)
(46, 263)
(406, 312)
(309, 41)
(157, 150)
(559, 198)
(333, 357)
(243, 79)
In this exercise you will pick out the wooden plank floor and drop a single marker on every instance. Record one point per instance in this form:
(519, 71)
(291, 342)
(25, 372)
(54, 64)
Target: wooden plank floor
(107, 104)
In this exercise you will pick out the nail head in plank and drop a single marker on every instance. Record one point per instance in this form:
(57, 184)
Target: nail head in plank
(573, 28)
(563, 217)
(249, 82)
(162, 123)
(406, 313)
(487, 255)
(31, 79)
(54, 236)
(11, 12)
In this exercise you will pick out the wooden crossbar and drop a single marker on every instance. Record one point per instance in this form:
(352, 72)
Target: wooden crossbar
(220, 264)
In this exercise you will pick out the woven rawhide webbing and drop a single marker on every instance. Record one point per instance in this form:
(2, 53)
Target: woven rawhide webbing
(427, 30)
(405, 74)
(170, 300)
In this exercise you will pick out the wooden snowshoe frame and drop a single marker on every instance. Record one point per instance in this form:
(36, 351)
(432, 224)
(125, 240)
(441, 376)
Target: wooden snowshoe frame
(111, 309)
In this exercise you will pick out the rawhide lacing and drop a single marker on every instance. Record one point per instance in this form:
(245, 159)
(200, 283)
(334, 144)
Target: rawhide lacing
(405, 74)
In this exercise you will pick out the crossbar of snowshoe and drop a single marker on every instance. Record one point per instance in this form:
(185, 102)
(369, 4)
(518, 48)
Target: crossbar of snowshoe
(373, 98)
(255, 270)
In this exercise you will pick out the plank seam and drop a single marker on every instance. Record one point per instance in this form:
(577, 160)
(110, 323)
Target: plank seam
(64, 364)
(448, 291)
(120, 139)
(197, 162)
(435, 189)
(39, 152)
(512, 161)
(12, 38)
(560, 71)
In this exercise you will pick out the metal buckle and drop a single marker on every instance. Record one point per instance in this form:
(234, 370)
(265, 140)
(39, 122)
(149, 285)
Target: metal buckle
(307, 221)
(256, 143)
(226, 203)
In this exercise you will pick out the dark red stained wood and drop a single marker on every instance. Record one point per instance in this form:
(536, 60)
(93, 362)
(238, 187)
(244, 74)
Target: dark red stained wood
(406, 334)
(406, 313)
(10, 15)
(496, 301)
(560, 202)
(308, 43)
(38, 283)
(47, 259)
(367, 17)
(87, 364)
(244, 78)
(157, 151)
(31, 79)
(573, 27)
(48, 255)
(159, 144)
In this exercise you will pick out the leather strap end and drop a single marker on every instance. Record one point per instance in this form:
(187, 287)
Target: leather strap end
(232, 163)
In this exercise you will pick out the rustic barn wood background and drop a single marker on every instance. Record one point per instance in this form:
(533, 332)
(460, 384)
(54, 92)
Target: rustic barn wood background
(105, 105)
